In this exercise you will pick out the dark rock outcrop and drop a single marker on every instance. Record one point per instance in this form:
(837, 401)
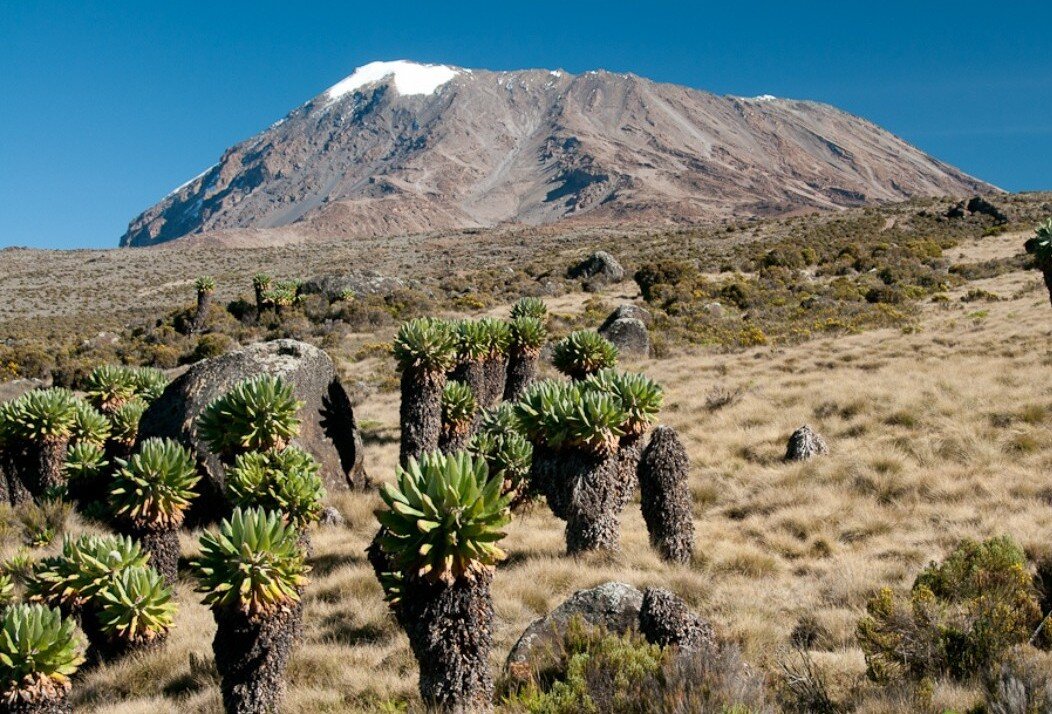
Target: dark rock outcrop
(331, 517)
(629, 335)
(599, 267)
(327, 429)
(974, 205)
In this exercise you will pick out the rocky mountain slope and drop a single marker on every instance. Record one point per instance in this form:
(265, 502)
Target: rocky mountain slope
(401, 148)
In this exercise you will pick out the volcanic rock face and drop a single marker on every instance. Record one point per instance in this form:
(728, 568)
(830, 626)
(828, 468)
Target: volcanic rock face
(401, 148)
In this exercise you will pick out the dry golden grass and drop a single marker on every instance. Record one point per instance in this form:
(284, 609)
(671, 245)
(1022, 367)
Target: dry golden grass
(935, 435)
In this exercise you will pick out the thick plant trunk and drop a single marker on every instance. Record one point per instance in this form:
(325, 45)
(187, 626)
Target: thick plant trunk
(163, 547)
(51, 473)
(455, 437)
(665, 496)
(595, 504)
(522, 371)
(52, 705)
(6, 472)
(450, 629)
(204, 302)
(1048, 282)
(629, 450)
(16, 466)
(496, 369)
(473, 374)
(550, 474)
(251, 657)
(39, 467)
(259, 300)
(421, 413)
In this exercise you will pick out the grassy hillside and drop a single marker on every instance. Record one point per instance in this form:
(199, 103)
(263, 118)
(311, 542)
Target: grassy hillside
(936, 402)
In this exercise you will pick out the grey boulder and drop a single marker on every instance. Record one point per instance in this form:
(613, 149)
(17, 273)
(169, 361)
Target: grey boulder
(628, 310)
(629, 335)
(613, 606)
(327, 427)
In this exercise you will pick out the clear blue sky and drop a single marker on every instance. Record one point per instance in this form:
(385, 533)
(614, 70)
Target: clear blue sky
(106, 106)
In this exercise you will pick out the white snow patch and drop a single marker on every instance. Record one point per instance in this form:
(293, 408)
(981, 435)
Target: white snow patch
(555, 72)
(409, 78)
(181, 186)
(765, 98)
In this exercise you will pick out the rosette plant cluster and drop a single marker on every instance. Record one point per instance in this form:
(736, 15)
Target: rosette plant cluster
(435, 555)
(108, 586)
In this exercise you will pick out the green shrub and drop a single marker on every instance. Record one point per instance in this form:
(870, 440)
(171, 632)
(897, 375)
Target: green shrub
(154, 487)
(591, 671)
(582, 353)
(443, 520)
(1040, 245)
(211, 345)
(90, 426)
(137, 608)
(959, 618)
(529, 307)
(665, 272)
(426, 345)
(85, 460)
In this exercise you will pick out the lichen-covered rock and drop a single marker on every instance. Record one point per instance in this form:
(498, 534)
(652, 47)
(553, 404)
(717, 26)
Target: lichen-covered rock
(628, 310)
(600, 267)
(613, 606)
(629, 335)
(327, 429)
(804, 444)
(665, 620)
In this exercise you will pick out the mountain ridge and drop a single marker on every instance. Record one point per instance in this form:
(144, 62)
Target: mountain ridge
(401, 148)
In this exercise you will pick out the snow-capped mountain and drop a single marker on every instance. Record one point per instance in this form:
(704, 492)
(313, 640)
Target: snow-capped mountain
(400, 147)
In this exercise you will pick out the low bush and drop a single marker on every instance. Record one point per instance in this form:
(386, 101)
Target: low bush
(960, 617)
(590, 670)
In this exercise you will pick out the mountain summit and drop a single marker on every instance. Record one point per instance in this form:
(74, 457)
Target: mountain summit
(401, 147)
